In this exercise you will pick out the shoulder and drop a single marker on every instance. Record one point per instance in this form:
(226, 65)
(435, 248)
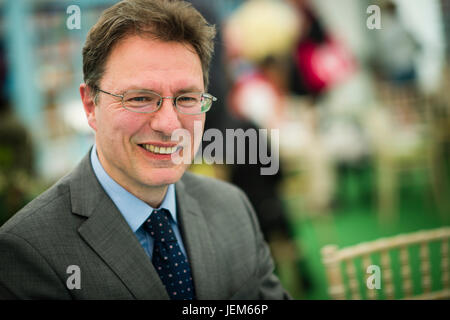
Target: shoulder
(29, 244)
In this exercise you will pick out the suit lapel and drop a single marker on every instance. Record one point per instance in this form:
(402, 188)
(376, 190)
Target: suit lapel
(199, 245)
(109, 235)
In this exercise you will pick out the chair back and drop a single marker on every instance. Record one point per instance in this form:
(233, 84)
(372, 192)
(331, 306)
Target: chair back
(388, 268)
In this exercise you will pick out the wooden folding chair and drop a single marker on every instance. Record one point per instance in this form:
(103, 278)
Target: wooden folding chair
(347, 280)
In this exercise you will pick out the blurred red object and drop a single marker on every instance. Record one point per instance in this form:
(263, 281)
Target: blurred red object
(323, 65)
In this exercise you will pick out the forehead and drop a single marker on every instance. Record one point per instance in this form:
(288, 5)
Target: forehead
(138, 62)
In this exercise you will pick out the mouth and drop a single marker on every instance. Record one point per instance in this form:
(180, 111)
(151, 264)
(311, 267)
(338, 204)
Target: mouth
(158, 149)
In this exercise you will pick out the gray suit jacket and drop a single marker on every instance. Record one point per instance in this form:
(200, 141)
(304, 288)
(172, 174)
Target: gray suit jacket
(76, 223)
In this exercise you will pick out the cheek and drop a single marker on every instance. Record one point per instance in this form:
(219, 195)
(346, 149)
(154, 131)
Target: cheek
(194, 124)
(117, 123)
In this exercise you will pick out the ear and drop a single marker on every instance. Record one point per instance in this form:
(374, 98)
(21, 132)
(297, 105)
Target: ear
(88, 104)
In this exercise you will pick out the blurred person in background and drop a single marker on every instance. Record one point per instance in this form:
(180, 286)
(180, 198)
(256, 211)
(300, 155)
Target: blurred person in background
(129, 218)
(396, 65)
(259, 39)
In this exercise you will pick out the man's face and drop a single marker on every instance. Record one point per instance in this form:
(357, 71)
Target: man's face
(167, 68)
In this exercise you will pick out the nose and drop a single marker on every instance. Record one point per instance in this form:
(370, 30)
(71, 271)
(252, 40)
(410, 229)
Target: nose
(165, 120)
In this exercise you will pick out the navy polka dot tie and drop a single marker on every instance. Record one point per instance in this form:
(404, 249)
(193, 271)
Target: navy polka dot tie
(168, 259)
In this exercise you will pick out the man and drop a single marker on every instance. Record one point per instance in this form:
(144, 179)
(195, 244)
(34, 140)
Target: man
(128, 222)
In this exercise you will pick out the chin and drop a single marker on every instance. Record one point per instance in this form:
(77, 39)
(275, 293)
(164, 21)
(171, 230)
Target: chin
(163, 176)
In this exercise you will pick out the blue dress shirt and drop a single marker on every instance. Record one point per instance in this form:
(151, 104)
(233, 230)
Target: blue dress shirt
(134, 210)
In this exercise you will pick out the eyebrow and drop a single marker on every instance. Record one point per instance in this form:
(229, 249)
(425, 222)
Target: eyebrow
(188, 89)
(178, 92)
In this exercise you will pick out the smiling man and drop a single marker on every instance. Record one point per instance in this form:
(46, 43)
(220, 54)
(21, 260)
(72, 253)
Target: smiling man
(129, 222)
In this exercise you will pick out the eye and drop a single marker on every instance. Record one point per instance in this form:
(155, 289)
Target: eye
(188, 100)
(142, 99)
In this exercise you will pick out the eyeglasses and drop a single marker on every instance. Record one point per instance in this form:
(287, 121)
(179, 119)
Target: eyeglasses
(146, 101)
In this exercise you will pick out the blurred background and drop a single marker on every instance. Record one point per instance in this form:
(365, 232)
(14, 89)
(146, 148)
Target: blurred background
(360, 96)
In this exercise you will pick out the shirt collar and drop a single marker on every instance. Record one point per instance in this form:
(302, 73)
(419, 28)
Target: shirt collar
(134, 210)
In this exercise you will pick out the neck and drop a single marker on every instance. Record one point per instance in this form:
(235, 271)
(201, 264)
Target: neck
(153, 196)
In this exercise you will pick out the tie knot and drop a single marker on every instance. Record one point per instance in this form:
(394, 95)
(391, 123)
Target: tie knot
(158, 225)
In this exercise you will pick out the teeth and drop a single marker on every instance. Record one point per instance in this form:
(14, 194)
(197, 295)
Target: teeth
(160, 150)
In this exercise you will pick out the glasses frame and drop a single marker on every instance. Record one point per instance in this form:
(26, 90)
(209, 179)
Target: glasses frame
(174, 100)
